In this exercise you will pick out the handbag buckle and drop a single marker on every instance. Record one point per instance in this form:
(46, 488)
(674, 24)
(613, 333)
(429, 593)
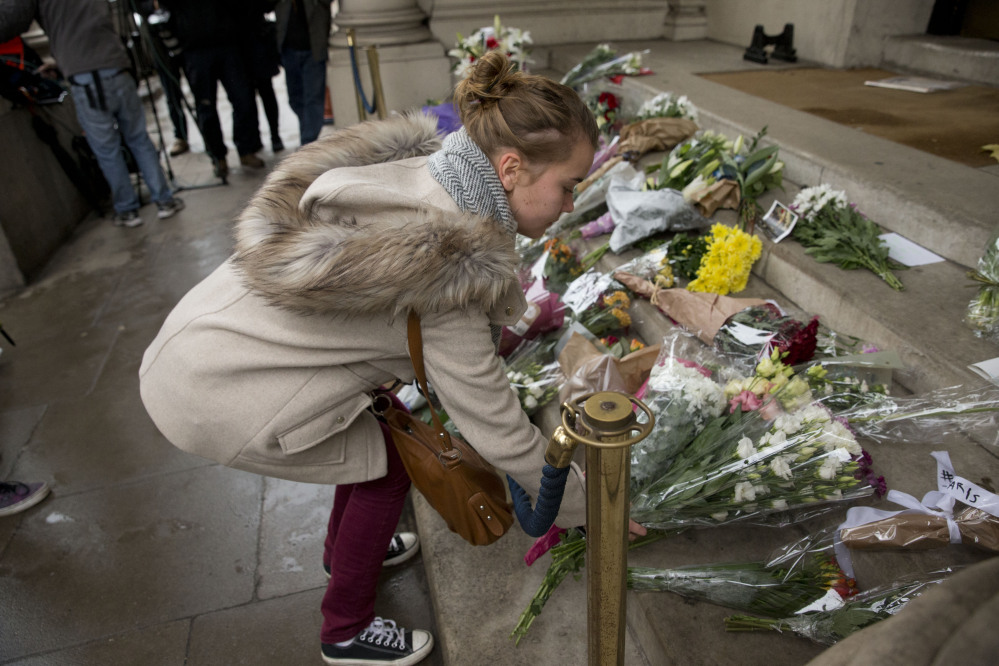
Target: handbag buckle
(449, 457)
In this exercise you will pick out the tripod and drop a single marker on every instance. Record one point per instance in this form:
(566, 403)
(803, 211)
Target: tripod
(125, 11)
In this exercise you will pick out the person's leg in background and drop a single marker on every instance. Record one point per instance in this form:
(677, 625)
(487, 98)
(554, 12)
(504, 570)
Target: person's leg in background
(200, 70)
(235, 77)
(292, 62)
(313, 99)
(120, 91)
(269, 100)
(169, 73)
(102, 136)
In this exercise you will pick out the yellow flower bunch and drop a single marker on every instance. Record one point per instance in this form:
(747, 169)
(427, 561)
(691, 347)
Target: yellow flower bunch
(726, 265)
(617, 298)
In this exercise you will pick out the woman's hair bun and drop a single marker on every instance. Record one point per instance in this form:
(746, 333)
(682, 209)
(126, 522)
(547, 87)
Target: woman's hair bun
(490, 79)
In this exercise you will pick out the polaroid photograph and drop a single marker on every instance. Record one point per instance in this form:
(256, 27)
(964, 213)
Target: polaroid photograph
(779, 221)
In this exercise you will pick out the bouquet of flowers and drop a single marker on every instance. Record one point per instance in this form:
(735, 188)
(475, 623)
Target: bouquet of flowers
(621, 347)
(608, 315)
(759, 329)
(756, 170)
(562, 265)
(841, 387)
(534, 373)
(515, 43)
(834, 232)
(743, 464)
(753, 587)
(567, 558)
(667, 105)
(684, 398)
(604, 107)
(603, 61)
(828, 627)
(699, 157)
(727, 262)
(983, 310)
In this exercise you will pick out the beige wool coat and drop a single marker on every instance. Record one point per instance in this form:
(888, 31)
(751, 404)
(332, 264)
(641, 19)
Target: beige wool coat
(267, 364)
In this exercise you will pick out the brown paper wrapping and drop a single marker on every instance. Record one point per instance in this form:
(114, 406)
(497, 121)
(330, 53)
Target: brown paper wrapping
(588, 369)
(719, 194)
(699, 312)
(916, 531)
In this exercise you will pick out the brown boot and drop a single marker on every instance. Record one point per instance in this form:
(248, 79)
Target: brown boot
(251, 161)
(179, 147)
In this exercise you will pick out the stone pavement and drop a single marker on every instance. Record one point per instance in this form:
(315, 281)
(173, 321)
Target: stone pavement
(145, 554)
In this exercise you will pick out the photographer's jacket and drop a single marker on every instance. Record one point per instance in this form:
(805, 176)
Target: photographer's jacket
(266, 365)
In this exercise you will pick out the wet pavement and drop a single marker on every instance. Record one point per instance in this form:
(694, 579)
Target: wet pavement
(144, 554)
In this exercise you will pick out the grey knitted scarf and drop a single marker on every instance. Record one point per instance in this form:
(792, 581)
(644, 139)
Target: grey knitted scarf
(465, 172)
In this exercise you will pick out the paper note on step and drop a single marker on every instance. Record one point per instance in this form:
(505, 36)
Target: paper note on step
(988, 369)
(904, 251)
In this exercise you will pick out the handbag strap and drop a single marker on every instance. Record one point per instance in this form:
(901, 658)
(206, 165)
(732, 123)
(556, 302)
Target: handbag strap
(416, 355)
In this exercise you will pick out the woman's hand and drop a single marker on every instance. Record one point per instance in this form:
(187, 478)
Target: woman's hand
(635, 530)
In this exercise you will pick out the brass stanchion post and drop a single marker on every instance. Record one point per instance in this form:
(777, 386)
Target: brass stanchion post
(376, 81)
(361, 111)
(608, 426)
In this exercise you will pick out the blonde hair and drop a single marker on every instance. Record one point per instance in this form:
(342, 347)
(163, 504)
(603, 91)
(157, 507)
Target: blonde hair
(501, 107)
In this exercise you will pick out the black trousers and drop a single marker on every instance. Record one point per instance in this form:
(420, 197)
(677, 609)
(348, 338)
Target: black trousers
(205, 68)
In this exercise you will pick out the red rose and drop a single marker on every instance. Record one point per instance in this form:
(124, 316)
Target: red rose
(610, 99)
(491, 43)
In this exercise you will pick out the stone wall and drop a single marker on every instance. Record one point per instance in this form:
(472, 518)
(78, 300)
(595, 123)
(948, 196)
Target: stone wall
(40, 206)
(838, 33)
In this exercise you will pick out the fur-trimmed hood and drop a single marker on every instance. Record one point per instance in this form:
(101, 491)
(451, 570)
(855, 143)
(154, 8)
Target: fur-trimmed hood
(313, 260)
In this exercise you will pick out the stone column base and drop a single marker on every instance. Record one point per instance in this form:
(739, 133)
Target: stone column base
(411, 74)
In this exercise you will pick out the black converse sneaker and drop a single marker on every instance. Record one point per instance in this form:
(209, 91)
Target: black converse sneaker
(402, 547)
(381, 643)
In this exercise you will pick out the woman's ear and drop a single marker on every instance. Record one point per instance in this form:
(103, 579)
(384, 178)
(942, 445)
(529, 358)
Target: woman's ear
(508, 167)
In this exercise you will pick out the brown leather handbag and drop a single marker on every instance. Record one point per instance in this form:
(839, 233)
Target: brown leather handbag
(458, 482)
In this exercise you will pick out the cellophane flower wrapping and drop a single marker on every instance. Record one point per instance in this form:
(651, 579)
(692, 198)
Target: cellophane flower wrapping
(684, 398)
(843, 386)
(545, 313)
(756, 331)
(562, 266)
(639, 213)
(609, 314)
(534, 372)
(971, 408)
(830, 626)
(745, 465)
(983, 310)
(601, 62)
(804, 576)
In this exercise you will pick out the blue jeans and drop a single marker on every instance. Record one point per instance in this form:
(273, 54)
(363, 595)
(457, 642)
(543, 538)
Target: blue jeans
(108, 114)
(306, 79)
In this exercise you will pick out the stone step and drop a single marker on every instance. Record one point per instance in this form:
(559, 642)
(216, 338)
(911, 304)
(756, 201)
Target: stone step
(479, 593)
(968, 59)
(946, 207)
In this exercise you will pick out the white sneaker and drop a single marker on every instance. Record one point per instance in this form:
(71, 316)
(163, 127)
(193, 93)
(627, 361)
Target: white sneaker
(170, 208)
